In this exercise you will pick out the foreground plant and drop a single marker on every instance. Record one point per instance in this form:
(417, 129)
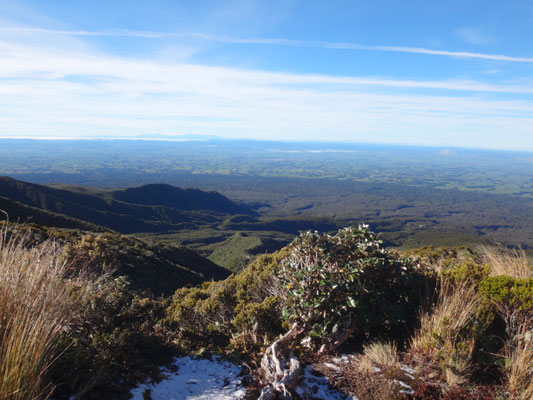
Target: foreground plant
(449, 333)
(509, 262)
(35, 307)
(519, 364)
(339, 287)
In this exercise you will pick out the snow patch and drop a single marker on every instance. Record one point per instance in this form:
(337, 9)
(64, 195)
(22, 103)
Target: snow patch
(195, 379)
(332, 366)
(407, 389)
(345, 359)
(318, 387)
(408, 369)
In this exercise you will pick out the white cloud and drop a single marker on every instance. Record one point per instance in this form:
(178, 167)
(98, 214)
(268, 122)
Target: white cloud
(465, 33)
(52, 91)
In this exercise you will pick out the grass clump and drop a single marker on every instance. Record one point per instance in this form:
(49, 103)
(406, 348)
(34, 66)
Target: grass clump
(519, 365)
(36, 308)
(449, 333)
(383, 354)
(508, 262)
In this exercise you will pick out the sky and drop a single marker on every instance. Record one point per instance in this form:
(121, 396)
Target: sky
(421, 72)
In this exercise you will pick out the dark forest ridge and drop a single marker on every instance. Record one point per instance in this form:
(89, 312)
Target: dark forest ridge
(149, 208)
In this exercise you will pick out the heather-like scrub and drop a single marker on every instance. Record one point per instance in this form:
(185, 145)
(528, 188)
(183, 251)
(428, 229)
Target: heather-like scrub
(243, 311)
(513, 299)
(115, 341)
(36, 308)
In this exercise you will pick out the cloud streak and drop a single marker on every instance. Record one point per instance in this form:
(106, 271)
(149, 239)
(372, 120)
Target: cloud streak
(47, 89)
(271, 41)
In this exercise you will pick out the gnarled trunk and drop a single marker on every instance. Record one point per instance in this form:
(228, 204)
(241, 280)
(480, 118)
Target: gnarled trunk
(281, 374)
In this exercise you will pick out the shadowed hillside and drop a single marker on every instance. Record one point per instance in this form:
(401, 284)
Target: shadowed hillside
(21, 213)
(150, 208)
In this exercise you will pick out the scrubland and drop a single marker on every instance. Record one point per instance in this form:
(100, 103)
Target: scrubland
(448, 324)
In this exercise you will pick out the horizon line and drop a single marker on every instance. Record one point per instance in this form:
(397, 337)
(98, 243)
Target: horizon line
(177, 139)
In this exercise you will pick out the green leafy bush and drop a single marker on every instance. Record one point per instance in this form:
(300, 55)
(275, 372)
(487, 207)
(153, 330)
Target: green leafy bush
(346, 284)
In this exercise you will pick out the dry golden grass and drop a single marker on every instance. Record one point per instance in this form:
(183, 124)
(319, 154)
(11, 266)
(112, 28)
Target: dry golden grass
(505, 261)
(445, 335)
(384, 355)
(35, 308)
(519, 365)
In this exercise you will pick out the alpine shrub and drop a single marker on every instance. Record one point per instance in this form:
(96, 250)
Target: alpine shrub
(346, 285)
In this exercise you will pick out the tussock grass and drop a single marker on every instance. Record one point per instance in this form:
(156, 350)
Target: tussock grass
(384, 355)
(35, 307)
(509, 262)
(447, 335)
(519, 365)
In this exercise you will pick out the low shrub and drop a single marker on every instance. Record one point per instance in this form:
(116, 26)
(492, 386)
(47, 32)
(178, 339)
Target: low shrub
(513, 299)
(244, 310)
(347, 285)
(466, 271)
(115, 341)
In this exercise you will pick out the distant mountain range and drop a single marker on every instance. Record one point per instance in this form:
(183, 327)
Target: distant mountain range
(149, 208)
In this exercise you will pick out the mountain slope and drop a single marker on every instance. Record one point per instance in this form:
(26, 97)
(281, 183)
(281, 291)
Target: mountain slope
(177, 198)
(159, 267)
(150, 208)
(22, 213)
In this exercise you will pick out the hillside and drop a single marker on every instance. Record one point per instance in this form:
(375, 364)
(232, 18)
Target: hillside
(158, 267)
(149, 208)
(154, 267)
(237, 251)
(21, 213)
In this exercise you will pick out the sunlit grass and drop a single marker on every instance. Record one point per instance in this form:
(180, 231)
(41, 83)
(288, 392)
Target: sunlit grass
(35, 307)
(446, 334)
(509, 262)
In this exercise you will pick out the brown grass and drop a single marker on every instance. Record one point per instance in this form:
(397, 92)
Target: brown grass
(519, 365)
(383, 355)
(505, 261)
(444, 334)
(35, 308)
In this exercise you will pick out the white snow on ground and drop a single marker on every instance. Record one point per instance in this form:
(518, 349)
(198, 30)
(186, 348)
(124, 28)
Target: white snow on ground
(317, 387)
(216, 379)
(196, 379)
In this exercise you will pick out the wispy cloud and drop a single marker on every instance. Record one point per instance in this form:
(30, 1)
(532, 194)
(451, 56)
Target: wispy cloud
(271, 41)
(47, 89)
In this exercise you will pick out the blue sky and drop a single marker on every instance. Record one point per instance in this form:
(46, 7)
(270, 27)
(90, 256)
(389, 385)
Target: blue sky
(444, 73)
